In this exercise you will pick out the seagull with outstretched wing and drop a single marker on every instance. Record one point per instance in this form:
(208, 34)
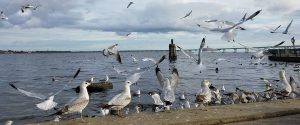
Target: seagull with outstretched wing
(48, 102)
(188, 14)
(168, 85)
(112, 51)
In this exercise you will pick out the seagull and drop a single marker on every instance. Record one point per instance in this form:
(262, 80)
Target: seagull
(253, 15)
(199, 60)
(157, 104)
(222, 23)
(204, 94)
(244, 17)
(286, 88)
(134, 59)
(218, 60)
(28, 6)
(216, 96)
(9, 122)
(104, 112)
(188, 14)
(112, 51)
(122, 99)
(286, 31)
(48, 102)
(274, 30)
(293, 86)
(137, 109)
(130, 3)
(260, 53)
(147, 68)
(287, 28)
(231, 32)
(182, 97)
(223, 88)
(106, 78)
(198, 25)
(3, 17)
(168, 85)
(77, 104)
(128, 34)
(187, 104)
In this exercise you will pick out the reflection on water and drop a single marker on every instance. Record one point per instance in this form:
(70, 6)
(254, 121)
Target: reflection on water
(34, 72)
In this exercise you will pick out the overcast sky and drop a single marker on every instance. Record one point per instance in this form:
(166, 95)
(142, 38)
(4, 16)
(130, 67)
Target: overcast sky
(94, 24)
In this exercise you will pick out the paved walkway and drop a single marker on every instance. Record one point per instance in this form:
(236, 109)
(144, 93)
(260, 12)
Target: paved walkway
(212, 116)
(283, 120)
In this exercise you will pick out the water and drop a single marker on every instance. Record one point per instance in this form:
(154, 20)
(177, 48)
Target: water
(33, 72)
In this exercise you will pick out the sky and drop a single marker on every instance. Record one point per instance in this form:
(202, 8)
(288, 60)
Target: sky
(92, 25)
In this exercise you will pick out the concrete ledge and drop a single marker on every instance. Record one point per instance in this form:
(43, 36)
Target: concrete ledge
(195, 116)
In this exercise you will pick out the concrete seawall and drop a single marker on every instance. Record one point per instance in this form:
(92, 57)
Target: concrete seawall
(195, 116)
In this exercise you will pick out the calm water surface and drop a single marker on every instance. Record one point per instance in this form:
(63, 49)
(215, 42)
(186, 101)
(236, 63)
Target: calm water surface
(33, 72)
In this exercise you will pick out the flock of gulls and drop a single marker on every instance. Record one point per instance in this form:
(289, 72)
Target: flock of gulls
(207, 95)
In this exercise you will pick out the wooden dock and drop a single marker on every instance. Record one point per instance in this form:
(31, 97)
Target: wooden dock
(285, 55)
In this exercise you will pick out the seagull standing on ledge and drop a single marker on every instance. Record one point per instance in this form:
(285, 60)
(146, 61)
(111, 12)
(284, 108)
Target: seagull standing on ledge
(79, 103)
(121, 100)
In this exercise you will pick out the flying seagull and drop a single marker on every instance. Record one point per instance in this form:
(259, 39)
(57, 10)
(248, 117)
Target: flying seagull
(260, 53)
(231, 32)
(28, 6)
(286, 31)
(199, 60)
(48, 102)
(274, 30)
(122, 99)
(287, 28)
(168, 85)
(244, 17)
(188, 14)
(112, 51)
(3, 17)
(77, 104)
(130, 3)
(253, 15)
(198, 25)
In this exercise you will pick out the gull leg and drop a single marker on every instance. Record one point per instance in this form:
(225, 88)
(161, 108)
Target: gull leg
(82, 118)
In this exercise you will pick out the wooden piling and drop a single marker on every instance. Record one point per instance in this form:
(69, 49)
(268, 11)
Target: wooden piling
(172, 52)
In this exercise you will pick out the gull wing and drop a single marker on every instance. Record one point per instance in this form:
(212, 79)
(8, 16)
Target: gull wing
(149, 59)
(182, 50)
(157, 100)
(27, 93)
(288, 27)
(253, 15)
(106, 78)
(209, 21)
(118, 57)
(200, 51)
(47, 104)
(160, 76)
(174, 78)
